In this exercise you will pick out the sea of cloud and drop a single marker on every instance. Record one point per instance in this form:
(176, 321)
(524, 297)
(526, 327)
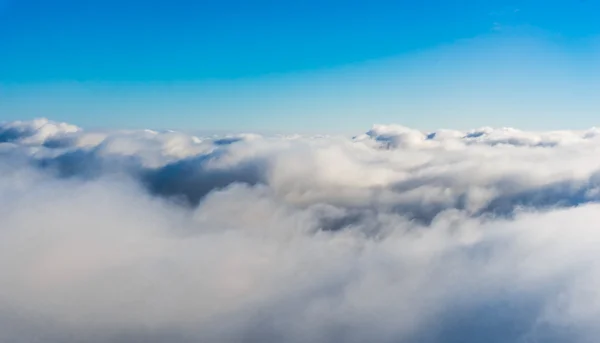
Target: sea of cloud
(395, 235)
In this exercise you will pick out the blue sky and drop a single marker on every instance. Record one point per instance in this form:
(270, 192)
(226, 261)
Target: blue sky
(301, 65)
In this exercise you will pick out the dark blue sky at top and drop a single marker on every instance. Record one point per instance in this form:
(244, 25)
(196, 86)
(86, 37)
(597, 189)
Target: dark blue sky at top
(172, 40)
(125, 40)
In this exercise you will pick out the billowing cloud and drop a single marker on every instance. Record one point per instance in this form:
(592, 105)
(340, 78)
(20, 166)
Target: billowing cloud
(396, 235)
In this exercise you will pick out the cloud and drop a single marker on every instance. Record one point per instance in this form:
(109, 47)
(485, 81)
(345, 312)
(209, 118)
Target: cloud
(34, 132)
(392, 236)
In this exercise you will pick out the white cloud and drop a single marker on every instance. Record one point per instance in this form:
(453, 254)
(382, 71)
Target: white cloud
(34, 132)
(396, 235)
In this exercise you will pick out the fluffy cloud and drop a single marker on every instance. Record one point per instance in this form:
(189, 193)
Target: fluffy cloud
(34, 132)
(392, 236)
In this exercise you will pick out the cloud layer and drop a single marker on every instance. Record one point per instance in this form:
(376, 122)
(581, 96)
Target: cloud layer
(395, 235)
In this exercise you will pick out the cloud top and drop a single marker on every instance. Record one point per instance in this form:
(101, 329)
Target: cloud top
(394, 235)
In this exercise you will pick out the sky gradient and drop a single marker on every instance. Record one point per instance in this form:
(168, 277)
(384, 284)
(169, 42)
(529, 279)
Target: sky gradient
(332, 66)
